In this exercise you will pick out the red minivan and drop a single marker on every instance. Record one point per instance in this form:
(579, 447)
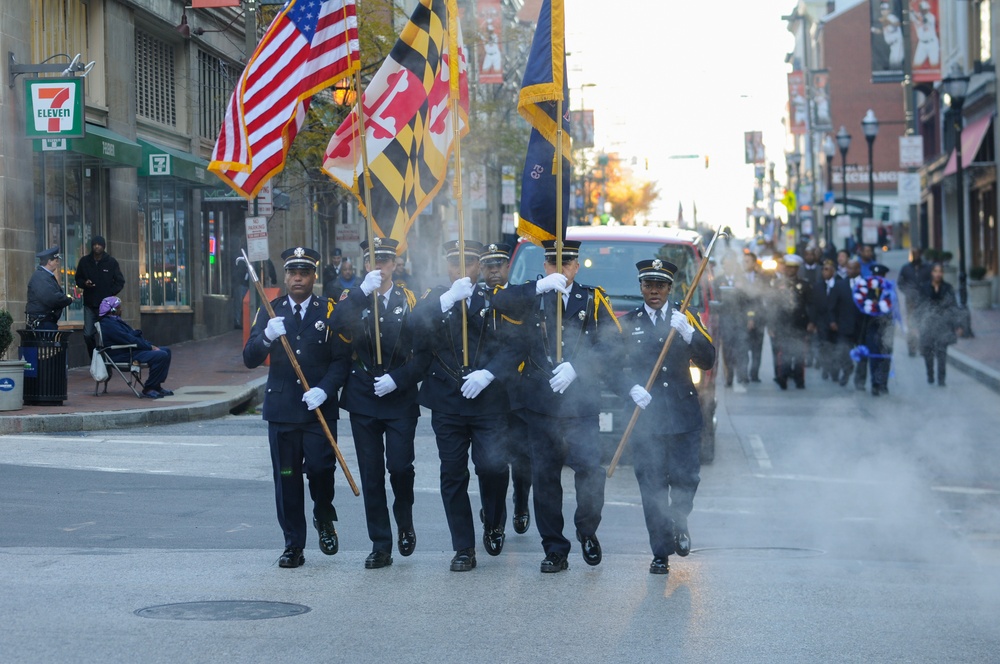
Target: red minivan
(608, 255)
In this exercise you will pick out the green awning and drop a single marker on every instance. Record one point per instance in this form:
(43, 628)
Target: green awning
(159, 160)
(112, 149)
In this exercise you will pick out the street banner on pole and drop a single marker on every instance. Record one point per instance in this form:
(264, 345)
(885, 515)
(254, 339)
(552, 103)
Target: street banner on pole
(490, 41)
(925, 41)
(886, 40)
(798, 106)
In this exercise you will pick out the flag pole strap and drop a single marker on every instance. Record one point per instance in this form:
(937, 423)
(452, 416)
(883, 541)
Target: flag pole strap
(369, 223)
(663, 353)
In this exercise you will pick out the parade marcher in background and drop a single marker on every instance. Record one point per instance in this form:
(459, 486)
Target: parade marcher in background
(294, 433)
(382, 400)
(811, 273)
(875, 296)
(789, 323)
(937, 318)
(842, 258)
(346, 280)
(330, 273)
(495, 263)
(854, 281)
(667, 440)
(469, 404)
(563, 398)
(402, 277)
(836, 318)
(98, 274)
(912, 278)
(733, 321)
(866, 258)
(116, 332)
(756, 286)
(46, 298)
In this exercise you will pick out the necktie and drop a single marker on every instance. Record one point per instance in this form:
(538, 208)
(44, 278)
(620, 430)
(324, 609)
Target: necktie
(298, 311)
(654, 316)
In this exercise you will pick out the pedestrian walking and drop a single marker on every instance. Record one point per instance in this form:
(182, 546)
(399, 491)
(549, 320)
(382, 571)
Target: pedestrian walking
(666, 442)
(295, 436)
(912, 278)
(382, 398)
(938, 321)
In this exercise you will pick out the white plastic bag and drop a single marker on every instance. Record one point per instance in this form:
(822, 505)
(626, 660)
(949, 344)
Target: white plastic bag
(98, 371)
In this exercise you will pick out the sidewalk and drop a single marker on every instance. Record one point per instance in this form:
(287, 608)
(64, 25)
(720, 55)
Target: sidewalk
(980, 356)
(207, 376)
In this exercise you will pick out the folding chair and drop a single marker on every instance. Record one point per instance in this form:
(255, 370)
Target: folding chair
(130, 370)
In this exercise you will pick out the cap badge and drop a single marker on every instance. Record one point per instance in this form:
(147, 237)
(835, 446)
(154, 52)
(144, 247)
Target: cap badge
(492, 247)
(378, 242)
(657, 264)
(299, 252)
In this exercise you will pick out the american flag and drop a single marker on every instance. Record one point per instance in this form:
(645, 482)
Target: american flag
(310, 45)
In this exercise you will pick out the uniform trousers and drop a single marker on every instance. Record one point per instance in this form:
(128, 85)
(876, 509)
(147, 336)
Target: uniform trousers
(755, 344)
(790, 356)
(296, 448)
(574, 442)
(667, 467)
(396, 455)
(483, 436)
(519, 450)
(734, 354)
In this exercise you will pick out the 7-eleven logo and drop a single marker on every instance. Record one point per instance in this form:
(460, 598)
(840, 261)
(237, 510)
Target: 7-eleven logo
(53, 107)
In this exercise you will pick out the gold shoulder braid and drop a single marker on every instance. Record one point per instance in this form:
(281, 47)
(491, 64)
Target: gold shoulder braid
(602, 299)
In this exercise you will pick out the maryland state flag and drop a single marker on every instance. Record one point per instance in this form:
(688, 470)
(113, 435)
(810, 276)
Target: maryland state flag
(408, 122)
(543, 85)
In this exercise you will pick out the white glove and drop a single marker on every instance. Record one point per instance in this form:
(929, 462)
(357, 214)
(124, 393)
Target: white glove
(372, 282)
(553, 282)
(275, 328)
(679, 322)
(562, 376)
(384, 385)
(476, 382)
(640, 396)
(314, 398)
(460, 290)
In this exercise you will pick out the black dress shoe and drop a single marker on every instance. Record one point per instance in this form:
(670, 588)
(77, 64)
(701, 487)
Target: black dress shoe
(682, 542)
(292, 557)
(659, 566)
(591, 548)
(521, 522)
(328, 542)
(378, 560)
(464, 560)
(407, 542)
(554, 562)
(783, 384)
(493, 539)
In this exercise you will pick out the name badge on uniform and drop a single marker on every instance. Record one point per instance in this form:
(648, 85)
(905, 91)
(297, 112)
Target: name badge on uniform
(638, 331)
(320, 325)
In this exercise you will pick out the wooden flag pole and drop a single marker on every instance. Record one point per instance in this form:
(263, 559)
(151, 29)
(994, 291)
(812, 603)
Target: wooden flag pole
(301, 376)
(455, 89)
(369, 223)
(559, 226)
(663, 354)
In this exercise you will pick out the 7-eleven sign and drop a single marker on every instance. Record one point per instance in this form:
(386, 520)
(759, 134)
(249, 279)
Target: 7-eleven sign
(54, 108)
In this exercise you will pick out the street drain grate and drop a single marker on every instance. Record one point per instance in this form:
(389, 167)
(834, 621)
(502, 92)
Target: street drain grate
(223, 610)
(759, 552)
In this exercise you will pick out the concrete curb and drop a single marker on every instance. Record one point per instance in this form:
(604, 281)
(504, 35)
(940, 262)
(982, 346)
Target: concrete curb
(245, 395)
(982, 373)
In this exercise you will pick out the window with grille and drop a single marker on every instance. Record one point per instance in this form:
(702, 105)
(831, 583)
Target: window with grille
(218, 79)
(154, 80)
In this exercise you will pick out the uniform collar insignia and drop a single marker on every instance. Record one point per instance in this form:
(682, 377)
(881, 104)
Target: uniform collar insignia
(320, 325)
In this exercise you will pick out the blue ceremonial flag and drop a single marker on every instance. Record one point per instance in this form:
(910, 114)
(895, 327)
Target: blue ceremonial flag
(543, 85)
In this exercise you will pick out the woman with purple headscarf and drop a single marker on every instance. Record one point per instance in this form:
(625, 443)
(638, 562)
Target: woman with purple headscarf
(116, 332)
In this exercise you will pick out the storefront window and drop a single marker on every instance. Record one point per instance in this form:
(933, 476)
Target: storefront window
(164, 280)
(69, 206)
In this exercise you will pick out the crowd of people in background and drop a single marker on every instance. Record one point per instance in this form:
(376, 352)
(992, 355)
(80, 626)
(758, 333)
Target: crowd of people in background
(837, 313)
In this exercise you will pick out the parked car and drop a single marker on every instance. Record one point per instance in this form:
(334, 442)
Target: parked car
(608, 255)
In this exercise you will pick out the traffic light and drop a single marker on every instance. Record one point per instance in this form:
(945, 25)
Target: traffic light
(706, 161)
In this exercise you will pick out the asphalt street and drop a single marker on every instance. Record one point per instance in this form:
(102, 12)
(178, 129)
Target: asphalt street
(832, 526)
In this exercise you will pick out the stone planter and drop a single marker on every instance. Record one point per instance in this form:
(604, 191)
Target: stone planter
(11, 385)
(980, 294)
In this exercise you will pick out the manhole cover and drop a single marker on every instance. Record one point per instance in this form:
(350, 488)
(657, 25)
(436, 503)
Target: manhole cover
(202, 392)
(759, 552)
(223, 610)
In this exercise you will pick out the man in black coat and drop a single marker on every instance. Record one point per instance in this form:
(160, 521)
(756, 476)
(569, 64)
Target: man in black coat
(756, 288)
(46, 298)
(790, 324)
(382, 398)
(99, 276)
(295, 436)
(836, 318)
(667, 438)
(563, 396)
(468, 401)
(734, 300)
(912, 278)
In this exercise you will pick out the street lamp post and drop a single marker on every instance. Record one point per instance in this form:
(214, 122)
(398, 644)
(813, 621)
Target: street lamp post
(829, 149)
(794, 161)
(956, 86)
(843, 142)
(870, 126)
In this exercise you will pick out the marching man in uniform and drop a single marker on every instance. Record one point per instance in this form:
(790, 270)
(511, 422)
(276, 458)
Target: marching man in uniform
(564, 397)
(294, 433)
(667, 437)
(382, 400)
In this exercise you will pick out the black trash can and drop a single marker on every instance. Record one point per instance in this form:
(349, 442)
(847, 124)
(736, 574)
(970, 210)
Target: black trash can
(45, 381)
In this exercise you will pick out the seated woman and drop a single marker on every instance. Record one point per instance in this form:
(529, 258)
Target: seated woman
(116, 332)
